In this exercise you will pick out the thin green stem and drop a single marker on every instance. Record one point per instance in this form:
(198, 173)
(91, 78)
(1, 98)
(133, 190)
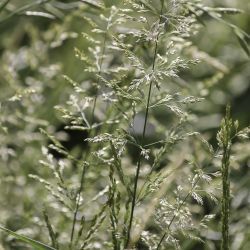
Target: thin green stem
(225, 135)
(143, 136)
(77, 204)
(78, 196)
(99, 73)
(225, 200)
(3, 4)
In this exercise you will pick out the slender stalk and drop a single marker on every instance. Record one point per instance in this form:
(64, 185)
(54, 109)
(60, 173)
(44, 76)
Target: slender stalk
(77, 204)
(99, 73)
(143, 136)
(3, 4)
(78, 195)
(225, 200)
(225, 138)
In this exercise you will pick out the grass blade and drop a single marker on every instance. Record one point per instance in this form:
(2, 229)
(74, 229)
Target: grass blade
(3, 4)
(242, 41)
(36, 244)
(40, 14)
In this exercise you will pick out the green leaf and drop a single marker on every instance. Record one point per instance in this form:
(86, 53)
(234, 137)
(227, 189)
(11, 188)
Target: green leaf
(39, 14)
(3, 4)
(230, 11)
(36, 244)
(243, 43)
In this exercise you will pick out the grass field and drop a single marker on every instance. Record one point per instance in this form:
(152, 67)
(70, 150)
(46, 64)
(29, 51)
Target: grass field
(124, 124)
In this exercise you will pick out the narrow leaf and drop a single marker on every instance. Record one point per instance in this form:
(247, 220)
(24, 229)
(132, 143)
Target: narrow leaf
(3, 4)
(40, 14)
(36, 244)
(230, 11)
(242, 41)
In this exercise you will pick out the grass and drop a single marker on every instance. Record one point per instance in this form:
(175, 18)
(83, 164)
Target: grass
(143, 135)
(225, 140)
(148, 177)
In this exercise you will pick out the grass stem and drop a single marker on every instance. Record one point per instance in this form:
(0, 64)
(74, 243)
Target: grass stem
(143, 136)
(78, 196)
(225, 137)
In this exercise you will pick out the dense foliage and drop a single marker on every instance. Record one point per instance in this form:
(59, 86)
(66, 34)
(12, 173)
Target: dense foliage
(114, 127)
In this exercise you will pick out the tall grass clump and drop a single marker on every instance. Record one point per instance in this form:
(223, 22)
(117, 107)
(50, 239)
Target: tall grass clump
(144, 175)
